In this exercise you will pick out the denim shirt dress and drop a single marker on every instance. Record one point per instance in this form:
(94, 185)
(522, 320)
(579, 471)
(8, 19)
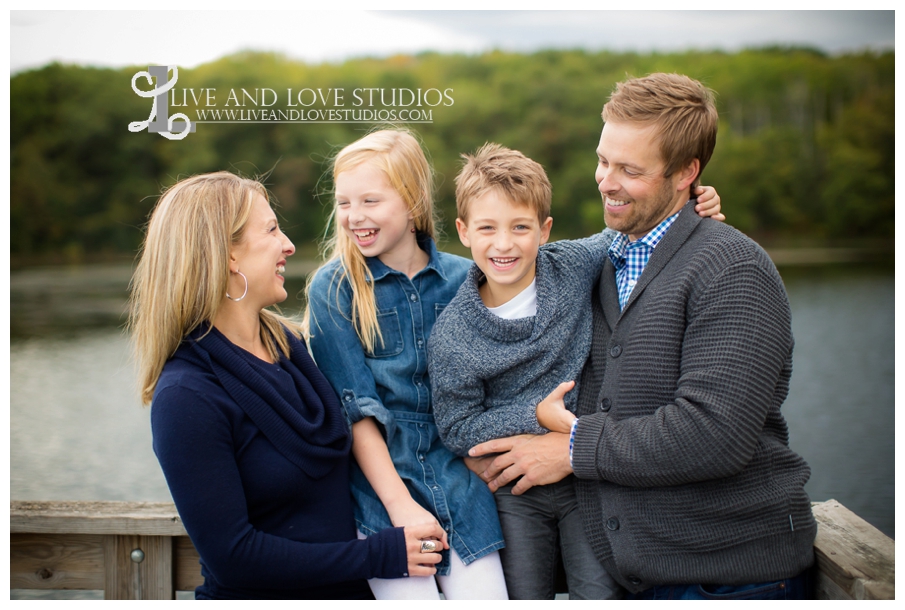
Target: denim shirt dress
(391, 384)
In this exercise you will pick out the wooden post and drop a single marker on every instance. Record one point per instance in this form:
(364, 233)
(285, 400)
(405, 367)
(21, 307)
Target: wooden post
(138, 567)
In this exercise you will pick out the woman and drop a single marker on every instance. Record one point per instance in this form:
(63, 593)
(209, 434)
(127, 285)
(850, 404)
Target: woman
(249, 434)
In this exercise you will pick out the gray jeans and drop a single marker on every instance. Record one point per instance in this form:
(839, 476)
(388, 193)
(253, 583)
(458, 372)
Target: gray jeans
(538, 527)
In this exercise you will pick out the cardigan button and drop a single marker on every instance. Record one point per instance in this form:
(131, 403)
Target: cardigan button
(634, 580)
(616, 351)
(605, 404)
(612, 524)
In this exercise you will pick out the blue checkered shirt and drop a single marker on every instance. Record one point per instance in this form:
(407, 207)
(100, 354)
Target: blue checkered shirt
(630, 257)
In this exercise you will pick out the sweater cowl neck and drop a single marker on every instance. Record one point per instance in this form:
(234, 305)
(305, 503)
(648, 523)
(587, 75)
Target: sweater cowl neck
(309, 430)
(501, 329)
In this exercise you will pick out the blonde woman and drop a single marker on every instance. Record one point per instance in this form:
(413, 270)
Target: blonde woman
(249, 434)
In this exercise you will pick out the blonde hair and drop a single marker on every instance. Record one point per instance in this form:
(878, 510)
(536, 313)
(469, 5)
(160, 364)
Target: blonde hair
(520, 179)
(183, 270)
(683, 110)
(398, 154)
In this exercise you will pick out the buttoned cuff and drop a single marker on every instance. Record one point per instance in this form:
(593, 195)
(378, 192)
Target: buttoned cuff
(357, 408)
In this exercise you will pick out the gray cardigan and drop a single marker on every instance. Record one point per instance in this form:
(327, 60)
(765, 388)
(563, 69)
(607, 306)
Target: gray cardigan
(488, 373)
(682, 455)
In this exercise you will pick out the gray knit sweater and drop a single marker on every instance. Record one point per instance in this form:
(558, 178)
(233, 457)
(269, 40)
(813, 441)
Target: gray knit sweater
(488, 374)
(682, 455)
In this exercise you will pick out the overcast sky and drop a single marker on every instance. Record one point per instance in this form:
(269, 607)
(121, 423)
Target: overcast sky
(190, 38)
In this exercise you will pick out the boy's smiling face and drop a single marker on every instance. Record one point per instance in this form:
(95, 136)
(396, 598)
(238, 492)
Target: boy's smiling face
(504, 238)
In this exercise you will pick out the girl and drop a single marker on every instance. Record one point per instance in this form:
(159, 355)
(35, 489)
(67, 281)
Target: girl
(371, 308)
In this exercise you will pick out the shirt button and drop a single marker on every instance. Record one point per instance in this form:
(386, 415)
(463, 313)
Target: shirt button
(616, 351)
(420, 342)
(418, 383)
(612, 524)
(414, 297)
(421, 458)
(632, 283)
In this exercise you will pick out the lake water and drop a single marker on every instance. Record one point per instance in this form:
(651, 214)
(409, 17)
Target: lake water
(77, 431)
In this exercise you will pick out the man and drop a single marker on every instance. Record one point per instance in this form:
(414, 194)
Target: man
(686, 483)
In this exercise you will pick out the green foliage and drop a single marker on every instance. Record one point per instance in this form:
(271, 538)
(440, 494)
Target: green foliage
(806, 143)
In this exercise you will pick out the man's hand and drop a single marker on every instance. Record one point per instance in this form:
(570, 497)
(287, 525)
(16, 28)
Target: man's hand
(538, 460)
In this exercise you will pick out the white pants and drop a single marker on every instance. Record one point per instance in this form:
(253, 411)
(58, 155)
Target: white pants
(481, 579)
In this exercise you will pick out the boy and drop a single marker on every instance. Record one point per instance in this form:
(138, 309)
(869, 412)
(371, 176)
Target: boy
(518, 327)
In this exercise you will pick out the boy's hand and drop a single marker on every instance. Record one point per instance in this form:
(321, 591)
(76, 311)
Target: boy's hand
(479, 466)
(708, 203)
(552, 413)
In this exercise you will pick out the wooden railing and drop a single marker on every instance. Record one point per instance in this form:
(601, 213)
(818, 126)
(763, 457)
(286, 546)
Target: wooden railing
(129, 550)
(139, 550)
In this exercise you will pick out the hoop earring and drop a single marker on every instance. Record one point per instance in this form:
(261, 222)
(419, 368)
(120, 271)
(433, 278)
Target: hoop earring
(244, 293)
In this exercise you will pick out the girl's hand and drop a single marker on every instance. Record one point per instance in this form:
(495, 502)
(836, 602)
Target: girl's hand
(552, 413)
(422, 563)
(407, 513)
(708, 203)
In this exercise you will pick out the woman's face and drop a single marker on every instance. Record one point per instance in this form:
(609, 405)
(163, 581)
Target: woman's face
(261, 257)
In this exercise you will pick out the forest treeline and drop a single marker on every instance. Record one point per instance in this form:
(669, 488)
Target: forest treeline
(805, 152)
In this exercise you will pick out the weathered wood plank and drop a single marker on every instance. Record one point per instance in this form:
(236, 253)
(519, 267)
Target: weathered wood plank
(157, 569)
(56, 561)
(139, 518)
(187, 571)
(853, 555)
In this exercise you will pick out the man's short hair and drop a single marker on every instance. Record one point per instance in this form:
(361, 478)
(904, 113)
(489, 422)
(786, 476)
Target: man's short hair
(682, 109)
(514, 175)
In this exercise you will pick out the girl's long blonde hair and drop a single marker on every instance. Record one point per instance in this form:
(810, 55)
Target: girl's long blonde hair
(398, 154)
(183, 270)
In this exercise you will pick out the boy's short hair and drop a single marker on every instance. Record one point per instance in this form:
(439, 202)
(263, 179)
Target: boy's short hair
(493, 166)
(682, 109)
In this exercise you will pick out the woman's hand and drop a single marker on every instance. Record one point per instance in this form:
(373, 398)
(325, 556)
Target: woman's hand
(421, 563)
(552, 413)
(708, 203)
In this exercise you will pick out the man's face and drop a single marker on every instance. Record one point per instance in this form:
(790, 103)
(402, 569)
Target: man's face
(636, 195)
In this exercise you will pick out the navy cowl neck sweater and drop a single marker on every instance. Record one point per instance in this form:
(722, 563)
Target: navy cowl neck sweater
(256, 456)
